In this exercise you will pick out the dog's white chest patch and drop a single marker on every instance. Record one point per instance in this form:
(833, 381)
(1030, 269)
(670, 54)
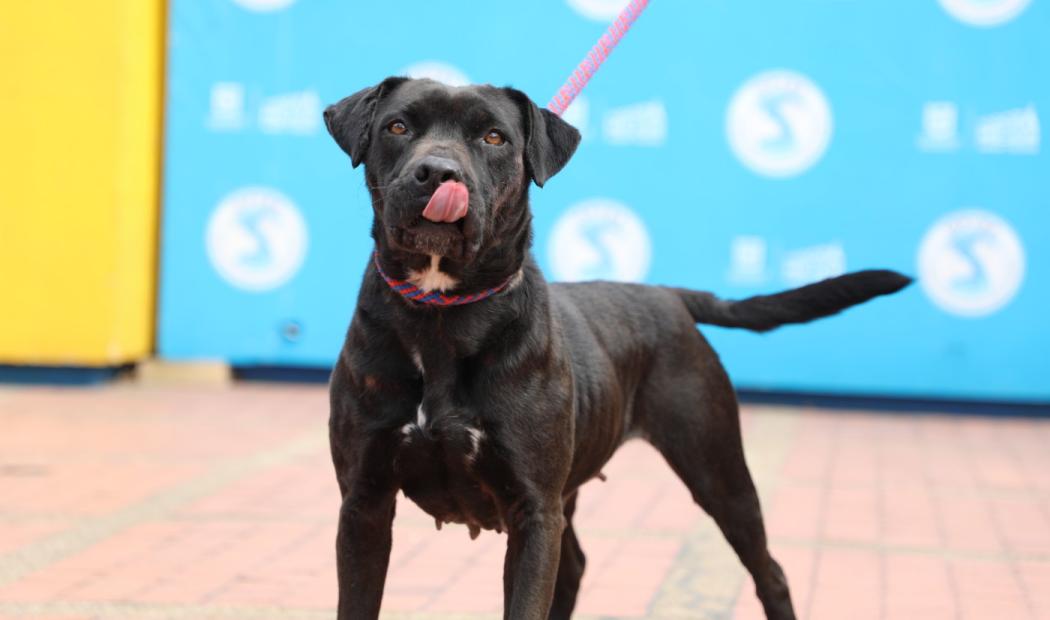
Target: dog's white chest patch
(417, 359)
(476, 435)
(473, 435)
(420, 425)
(432, 278)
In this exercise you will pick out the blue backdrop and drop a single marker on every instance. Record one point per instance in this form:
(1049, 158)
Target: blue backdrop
(737, 146)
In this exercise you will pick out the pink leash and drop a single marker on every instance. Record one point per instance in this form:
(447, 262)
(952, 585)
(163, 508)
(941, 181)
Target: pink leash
(594, 59)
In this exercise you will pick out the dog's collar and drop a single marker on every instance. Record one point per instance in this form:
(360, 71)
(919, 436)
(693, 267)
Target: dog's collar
(415, 294)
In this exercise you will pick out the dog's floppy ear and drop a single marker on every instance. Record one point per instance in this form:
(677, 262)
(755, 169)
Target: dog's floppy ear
(350, 120)
(549, 141)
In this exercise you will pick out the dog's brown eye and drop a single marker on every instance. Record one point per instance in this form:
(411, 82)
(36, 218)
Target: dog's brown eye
(494, 138)
(397, 128)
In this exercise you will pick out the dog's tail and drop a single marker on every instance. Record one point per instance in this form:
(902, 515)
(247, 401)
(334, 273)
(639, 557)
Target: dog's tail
(798, 305)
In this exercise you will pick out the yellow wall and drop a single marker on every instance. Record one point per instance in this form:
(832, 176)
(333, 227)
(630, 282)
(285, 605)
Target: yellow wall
(80, 90)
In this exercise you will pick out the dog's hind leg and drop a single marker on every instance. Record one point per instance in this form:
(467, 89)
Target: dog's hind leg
(570, 568)
(689, 413)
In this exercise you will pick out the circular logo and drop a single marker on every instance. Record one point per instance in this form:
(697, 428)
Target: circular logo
(437, 71)
(971, 263)
(264, 6)
(599, 239)
(598, 10)
(984, 13)
(779, 123)
(256, 239)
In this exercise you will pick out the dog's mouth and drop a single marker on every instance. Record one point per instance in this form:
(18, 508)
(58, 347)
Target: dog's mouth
(426, 237)
(441, 223)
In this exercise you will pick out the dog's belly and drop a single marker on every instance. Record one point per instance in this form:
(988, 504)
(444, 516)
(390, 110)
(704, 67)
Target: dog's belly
(441, 473)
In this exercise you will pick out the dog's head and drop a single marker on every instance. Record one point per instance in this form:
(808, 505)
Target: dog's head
(448, 167)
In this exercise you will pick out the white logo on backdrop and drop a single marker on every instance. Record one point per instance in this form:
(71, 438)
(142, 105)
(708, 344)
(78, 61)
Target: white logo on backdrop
(295, 113)
(578, 115)
(813, 263)
(599, 239)
(264, 6)
(971, 263)
(640, 124)
(747, 260)
(779, 123)
(940, 127)
(226, 112)
(1013, 131)
(437, 71)
(256, 239)
(984, 13)
(598, 10)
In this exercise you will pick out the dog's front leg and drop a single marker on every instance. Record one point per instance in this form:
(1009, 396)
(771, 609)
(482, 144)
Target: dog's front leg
(362, 555)
(530, 568)
(365, 473)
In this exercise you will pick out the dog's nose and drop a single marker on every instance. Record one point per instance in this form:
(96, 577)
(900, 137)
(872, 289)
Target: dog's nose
(433, 171)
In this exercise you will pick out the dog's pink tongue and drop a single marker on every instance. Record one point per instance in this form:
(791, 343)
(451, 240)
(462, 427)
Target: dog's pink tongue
(448, 204)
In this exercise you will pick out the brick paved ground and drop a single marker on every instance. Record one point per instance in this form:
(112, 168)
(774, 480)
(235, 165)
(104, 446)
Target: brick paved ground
(129, 502)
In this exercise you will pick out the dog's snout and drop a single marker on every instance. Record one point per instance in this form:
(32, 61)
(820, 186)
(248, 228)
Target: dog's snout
(433, 170)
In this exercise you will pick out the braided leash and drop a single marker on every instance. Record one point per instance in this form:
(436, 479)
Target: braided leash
(594, 59)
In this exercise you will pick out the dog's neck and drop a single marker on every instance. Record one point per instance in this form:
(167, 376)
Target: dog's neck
(413, 275)
(426, 288)
(438, 338)
(496, 266)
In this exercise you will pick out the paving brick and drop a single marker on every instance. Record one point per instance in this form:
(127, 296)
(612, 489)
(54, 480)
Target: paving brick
(1035, 579)
(989, 589)
(852, 515)
(909, 515)
(1023, 523)
(796, 511)
(918, 586)
(968, 525)
(849, 584)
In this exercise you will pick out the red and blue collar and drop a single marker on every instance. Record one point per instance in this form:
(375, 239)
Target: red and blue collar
(415, 294)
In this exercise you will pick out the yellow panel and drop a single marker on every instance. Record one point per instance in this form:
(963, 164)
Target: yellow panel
(80, 87)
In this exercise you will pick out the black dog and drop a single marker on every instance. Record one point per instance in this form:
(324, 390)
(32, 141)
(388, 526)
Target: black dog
(493, 413)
